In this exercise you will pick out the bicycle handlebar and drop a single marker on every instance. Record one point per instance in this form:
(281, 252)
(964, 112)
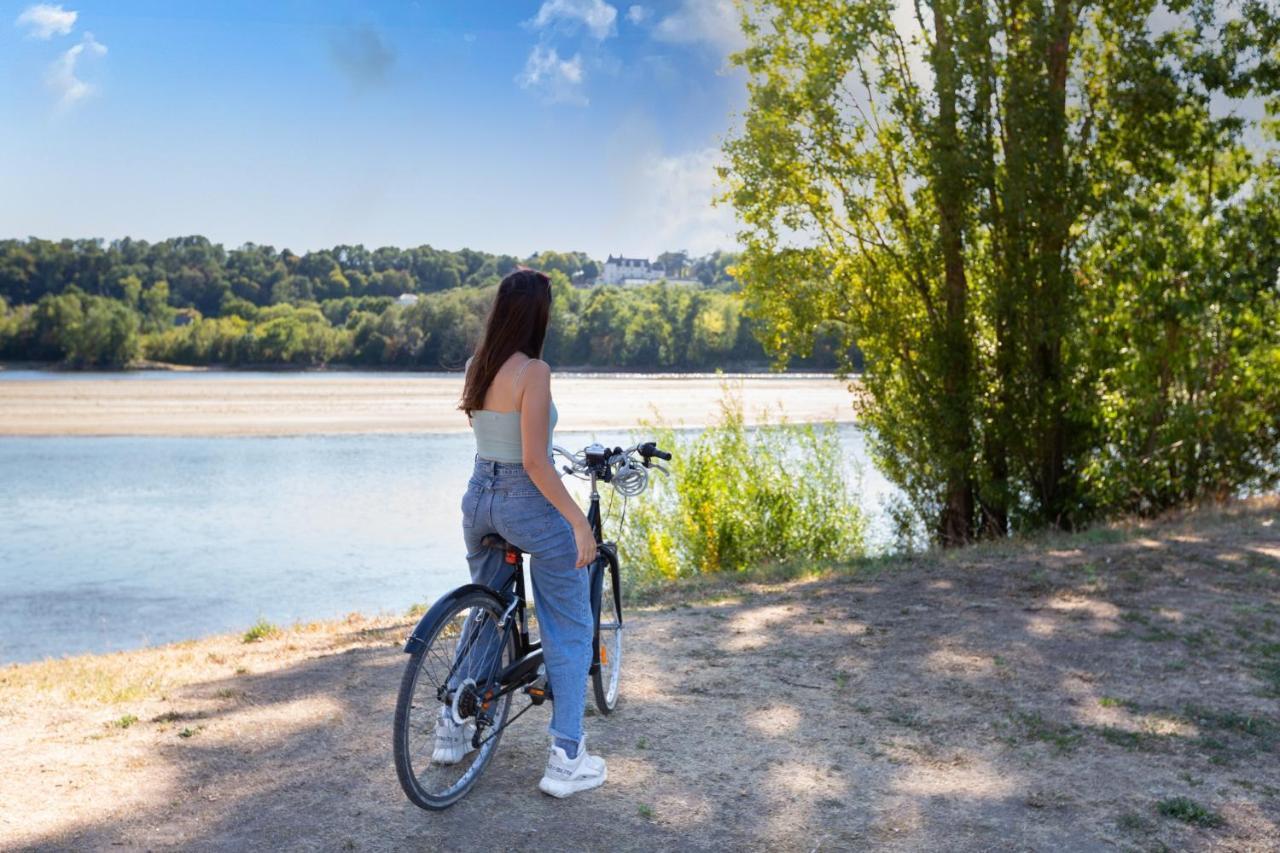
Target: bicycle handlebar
(650, 449)
(628, 475)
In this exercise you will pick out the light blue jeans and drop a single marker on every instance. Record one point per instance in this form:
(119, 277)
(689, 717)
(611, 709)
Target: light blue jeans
(501, 499)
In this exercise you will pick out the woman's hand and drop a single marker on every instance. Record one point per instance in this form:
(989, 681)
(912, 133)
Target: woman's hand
(585, 539)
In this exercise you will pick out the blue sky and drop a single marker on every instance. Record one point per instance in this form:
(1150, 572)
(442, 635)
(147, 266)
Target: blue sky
(503, 126)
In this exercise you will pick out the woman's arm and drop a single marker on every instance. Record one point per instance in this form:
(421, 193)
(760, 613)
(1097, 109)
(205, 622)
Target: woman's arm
(535, 415)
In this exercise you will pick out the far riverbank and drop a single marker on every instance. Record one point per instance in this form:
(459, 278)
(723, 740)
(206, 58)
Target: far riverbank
(230, 403)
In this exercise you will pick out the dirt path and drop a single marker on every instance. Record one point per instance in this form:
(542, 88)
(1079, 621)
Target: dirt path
(298, 404)
(1045, 696)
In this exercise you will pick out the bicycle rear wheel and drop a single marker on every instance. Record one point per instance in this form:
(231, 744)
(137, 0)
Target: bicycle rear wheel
(462, 648)
(606, 680)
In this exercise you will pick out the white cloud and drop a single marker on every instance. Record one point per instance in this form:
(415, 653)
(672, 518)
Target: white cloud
(596, 15)
(45, 20)
(638, 14)
(61, 76)
(714, 22)
(555, 79)
(673, 203)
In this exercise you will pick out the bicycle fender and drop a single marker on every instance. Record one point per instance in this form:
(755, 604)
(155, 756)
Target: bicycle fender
(418, 636)
(610, 552)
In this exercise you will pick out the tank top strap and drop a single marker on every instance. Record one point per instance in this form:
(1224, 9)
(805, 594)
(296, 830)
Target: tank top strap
(515, 383)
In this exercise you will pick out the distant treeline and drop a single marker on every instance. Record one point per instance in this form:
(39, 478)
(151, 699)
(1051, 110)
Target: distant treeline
(86, 303)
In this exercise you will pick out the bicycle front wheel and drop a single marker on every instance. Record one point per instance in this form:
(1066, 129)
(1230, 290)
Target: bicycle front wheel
(462, 651)
(607, 677)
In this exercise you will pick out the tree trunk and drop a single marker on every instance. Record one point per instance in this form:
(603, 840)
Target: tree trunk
(1053, 306)
(956, 526)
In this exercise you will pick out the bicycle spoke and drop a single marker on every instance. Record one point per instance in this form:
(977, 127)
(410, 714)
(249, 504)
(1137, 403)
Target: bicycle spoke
(436, 656)
(465, 652)
(467, 648)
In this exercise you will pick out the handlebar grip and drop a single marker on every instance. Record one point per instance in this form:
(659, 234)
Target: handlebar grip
(649, 449)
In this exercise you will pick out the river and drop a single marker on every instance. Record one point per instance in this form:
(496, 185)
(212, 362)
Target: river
(115, 542)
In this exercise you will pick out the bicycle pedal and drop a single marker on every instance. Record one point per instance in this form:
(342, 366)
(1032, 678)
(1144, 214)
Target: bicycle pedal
(539, 691)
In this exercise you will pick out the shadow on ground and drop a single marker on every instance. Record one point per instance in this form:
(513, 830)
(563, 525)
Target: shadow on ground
(1055, 695)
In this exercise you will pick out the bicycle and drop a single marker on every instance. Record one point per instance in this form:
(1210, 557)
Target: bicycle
(478, 637)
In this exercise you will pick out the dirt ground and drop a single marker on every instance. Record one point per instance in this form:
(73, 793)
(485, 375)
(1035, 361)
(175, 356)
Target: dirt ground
(1059, 694)
(309, 403)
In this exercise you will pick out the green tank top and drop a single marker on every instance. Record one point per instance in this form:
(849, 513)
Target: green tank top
(498, 433)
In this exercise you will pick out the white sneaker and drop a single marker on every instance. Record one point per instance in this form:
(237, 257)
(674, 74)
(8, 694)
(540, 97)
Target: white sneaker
(453, 741)
(565, 775)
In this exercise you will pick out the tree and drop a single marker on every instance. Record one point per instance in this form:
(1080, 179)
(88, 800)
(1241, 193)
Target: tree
(935, 191)
(157, 315)
(85, 330)
(1185, 350)
(673, 263)
(9, 323)
(131, 288)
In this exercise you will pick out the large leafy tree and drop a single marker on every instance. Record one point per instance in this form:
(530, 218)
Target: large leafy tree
(933, 181)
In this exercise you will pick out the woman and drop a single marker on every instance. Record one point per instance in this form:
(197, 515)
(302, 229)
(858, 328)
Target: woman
(516, 493)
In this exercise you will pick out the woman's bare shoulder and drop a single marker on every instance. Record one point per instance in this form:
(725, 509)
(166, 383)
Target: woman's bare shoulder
(535, 370)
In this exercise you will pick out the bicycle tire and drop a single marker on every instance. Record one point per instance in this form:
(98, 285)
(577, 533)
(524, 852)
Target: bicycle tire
(606, 681)
(489, 602)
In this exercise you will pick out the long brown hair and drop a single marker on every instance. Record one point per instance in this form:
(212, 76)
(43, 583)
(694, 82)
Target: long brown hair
(517, 323)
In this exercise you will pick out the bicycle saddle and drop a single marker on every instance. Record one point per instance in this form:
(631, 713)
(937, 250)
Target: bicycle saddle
(493, 540)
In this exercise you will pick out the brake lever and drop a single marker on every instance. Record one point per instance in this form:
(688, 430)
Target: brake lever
(661, 468)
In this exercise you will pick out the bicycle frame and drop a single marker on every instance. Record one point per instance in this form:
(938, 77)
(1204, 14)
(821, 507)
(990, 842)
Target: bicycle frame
(478, 687)
(609, 552)
(512, 593)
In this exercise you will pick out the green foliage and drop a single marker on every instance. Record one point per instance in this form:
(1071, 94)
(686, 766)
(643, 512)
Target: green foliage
(74, 327)
(156, 312)
(1062, 737)
(1059, 261)
(1189, 811)
(254, 306)
(1185, 353)
(9, 322)
(260, 630)
(1266, 666)
(743, 497)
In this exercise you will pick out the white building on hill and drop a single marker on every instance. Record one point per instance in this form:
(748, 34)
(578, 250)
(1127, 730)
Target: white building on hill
(622, 270)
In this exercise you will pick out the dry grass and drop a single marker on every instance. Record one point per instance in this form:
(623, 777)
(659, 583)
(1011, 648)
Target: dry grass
(150, 674)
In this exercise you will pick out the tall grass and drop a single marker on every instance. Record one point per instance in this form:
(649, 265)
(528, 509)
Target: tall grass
(741, 498)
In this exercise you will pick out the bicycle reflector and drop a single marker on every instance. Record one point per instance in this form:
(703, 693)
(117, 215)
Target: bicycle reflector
(512, 556)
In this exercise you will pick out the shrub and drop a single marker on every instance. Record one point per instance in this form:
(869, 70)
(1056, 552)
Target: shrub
(1189, 811)
(743, 497)
(260, 630)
